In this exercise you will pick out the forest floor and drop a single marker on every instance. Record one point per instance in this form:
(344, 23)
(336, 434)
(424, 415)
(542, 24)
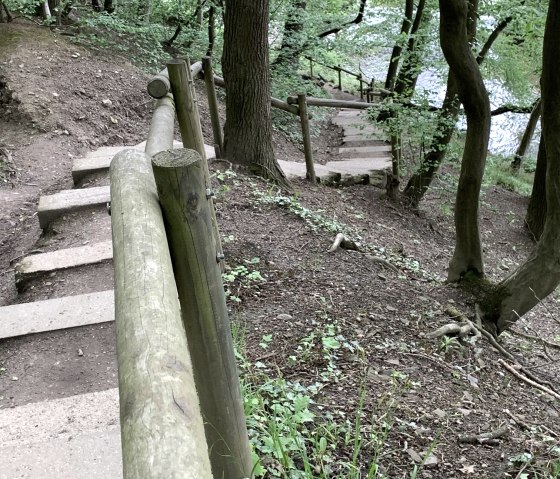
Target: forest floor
(339, 327)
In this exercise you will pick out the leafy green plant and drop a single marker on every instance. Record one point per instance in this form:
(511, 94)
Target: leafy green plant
(241, 278)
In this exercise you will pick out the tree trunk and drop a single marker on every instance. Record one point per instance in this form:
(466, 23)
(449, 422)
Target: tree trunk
(397, 49)
(408, 75)
(211, 29)
(421, 180)
(527, 137)
(540, 274)
(293, 38)
(248, 127)
(467, 257)
(356, 21)
(536, 211)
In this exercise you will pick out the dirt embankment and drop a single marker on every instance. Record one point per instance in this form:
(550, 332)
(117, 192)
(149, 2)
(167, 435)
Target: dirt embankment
(58, 100)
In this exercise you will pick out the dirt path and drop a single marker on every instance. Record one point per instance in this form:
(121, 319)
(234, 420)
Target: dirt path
(441, 390)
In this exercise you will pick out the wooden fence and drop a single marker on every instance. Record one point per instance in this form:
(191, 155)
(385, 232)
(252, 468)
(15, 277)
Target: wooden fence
(180, 401)
(159, 86)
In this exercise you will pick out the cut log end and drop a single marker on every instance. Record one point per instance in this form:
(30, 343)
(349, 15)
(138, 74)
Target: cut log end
(179, 158)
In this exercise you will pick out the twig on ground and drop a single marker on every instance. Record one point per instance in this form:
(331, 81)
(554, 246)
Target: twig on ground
(536, 338)
(531, 382)
(486, 438)
(522, 425)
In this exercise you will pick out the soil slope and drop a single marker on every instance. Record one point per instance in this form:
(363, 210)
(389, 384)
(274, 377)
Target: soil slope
(419, 395)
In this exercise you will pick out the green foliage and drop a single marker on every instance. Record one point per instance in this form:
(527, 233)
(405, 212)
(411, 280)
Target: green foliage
(498, 172)
(241, 278)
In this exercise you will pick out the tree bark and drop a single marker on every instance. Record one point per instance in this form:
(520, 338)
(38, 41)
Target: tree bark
(467, 257)
(397, 49)
(245, 64)
(421, 180)
(540, 274)
(536, 211)
(211, 29)
(527, 137)
(407, 77)
(356, 21)
(293, 39)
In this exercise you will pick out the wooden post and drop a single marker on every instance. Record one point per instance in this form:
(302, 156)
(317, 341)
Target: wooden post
(306, 138)
(162, 431)
(162, 126)
(159, 85)
(361, 80)
(213, 105)
(181, 186)
(311, 66)
(339, 78)
(189, 123)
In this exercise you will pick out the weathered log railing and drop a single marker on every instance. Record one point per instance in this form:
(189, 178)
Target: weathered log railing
(368, 91)
(180, 402)
(160, 85)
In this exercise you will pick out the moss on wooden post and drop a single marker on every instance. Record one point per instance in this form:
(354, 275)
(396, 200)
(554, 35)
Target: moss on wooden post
(162, 432)
(213, 105)
(181, 186)
(306, 139)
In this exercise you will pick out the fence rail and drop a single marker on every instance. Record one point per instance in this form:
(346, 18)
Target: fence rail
(180, 401)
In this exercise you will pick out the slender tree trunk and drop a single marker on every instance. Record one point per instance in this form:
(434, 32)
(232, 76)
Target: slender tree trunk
(356, 21)
(540, 274)
(467, 257)
(536, 211)
(248, 126)
(527, 137)
(420, 181)
(407, 77)
(211, 29)
(397, 49)
(293, 38)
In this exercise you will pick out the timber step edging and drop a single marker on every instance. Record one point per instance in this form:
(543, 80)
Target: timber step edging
(57, 313)
(36, 265)
(54, 206)
(99, 161)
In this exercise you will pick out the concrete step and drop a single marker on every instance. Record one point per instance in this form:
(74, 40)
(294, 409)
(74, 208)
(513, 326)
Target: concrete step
(44, 263)
(349, 121)
(365, 131)
(57, 313)
(68, 438)
(54, 206)
(293, 170)
(100, 160)
(364, 139)
(375, 151)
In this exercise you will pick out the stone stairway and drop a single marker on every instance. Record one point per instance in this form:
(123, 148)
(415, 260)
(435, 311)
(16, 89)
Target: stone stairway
(363, 157)
(78, 436)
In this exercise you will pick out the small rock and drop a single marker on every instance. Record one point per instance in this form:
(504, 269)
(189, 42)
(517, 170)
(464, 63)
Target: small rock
(14, 378)
(431, 461)
(75, 55)
(439, 413)
(107, 103)
(414, 455)
(56, 95)
(80, 352)
(284, 317)
(114, 120)
(465, 412)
